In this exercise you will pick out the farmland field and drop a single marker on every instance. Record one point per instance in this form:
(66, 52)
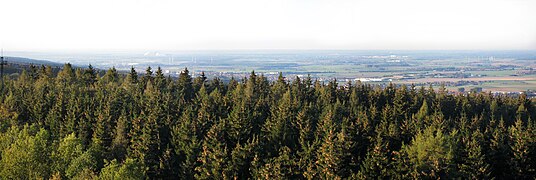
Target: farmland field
(489, 70)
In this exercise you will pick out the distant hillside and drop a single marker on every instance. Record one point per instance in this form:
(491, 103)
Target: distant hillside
(28, 61)
(17, 64)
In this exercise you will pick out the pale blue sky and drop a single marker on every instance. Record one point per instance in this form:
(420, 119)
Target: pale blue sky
(38, 25)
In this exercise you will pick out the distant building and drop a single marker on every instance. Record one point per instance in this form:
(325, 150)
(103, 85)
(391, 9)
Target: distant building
(372, 79)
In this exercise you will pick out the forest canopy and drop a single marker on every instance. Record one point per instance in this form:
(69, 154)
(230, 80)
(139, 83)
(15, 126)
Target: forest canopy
(81, 124)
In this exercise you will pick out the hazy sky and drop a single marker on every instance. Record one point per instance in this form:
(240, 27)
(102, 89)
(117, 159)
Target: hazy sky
(267, 24)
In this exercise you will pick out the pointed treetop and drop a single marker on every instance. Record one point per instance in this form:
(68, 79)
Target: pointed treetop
(185, 71)
(148, 71)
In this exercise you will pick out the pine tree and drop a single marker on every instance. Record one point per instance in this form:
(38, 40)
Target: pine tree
(90, 76)
(120, 141)
(280, 167)
(475, 165)
(213, 157)
(401, 103)
(240, 119)
(102, 134)
(377, 161)
(187, 143)
(206, 113)
(279, 88)
(159, 79)
(132, 77)
(423, 111)
(521, 161)
(499, 151)
(305, 123)
(430, 154)
(199, 81)
(148, 76)
(330, 153)
(66, 75)
(9, 111)
(279, 129)
(111, 76)
(185, 92)
(242, 157)
(521, 112)
(151, 144)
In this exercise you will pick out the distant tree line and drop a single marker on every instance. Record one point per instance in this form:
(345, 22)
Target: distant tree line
(77, 124)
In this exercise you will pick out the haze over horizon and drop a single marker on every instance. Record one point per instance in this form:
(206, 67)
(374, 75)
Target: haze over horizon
(56, 25)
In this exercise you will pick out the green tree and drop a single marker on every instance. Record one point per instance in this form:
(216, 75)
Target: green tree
(111, 76)
(279, 129)
(377, 163)
(280, 167)
(475, 165)
(129, 169)
(82, 166)
(213, 156)
(187, 143)
(430, 154)
(331, 153)
(69, 149)
(185, 88)
(90, 76)
(121, 140)
(27, 157)
(521, 162)
(499, 152)
(66, 75)
(241, 159)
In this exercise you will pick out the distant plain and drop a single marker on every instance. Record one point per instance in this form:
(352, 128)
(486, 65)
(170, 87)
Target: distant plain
(500, 71)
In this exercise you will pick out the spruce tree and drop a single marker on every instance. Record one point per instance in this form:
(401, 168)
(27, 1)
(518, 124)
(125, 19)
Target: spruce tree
(475, 165)
(520, 142)
(213, 156)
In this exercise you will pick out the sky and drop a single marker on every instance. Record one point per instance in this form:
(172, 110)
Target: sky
(86, 25)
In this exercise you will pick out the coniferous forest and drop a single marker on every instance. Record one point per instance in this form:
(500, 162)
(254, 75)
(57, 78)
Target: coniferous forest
(82, 124)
